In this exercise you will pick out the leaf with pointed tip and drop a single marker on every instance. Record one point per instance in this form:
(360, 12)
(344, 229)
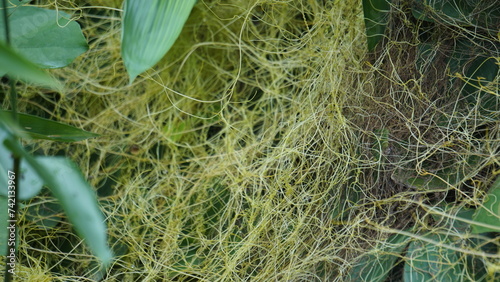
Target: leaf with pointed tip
(149, 30)
(40, 128)
(15, 65)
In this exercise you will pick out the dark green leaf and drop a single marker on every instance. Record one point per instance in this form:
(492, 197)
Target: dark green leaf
(149, 30)
(480, 74)
(18, 67)
(441, 180)
(488, 215)
(377, 263)
(444, 178)
(376, 14)
(44, 214)
(40, 128)
(45, 37)
(429, 262)
(428, 10)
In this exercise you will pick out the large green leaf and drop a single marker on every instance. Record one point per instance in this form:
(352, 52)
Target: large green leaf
(40, 128)
(149, 30)
(46, 37)
(376, 14)
(18, 67)
(67, 184)
(488, 215)
(429, 262)
(30, 182)
(376, 265)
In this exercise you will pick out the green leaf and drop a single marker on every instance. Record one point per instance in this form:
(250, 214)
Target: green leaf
(444, 178)
(376, 14)
(425, 10)
(21, 2)
(376, 264)
(429, 262)
(149, 30)
(44, 214)
(488, 215)
(18, 67)
(481, 73)
(40, 128)
(29, 180)
(67, 184)
(46, 37)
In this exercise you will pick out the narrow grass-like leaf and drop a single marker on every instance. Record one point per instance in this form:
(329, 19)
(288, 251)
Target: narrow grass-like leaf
(75, 195)
(489, 214)
(18, 67)
(45, 37)
(376, 14)
(150, 28)
(40, 128)
(376, 265)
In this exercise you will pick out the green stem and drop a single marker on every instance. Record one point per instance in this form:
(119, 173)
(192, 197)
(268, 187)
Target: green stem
(9, 275)
(6, 21)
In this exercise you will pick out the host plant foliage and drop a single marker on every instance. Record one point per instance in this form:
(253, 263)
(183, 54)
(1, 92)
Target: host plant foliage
(149, 29)
(47, 39)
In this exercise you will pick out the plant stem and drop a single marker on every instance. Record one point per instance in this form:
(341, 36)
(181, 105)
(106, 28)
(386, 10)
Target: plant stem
(6, 21)
(17, 160)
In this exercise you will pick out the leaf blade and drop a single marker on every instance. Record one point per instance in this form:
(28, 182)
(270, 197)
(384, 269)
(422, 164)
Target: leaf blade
(376, 19)
(41, 128)
(488, 215)
(429, 262)
(376, 265)
(75, 196)
(17, 66)
(31, 183)
(149, 30)
(45, 37)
